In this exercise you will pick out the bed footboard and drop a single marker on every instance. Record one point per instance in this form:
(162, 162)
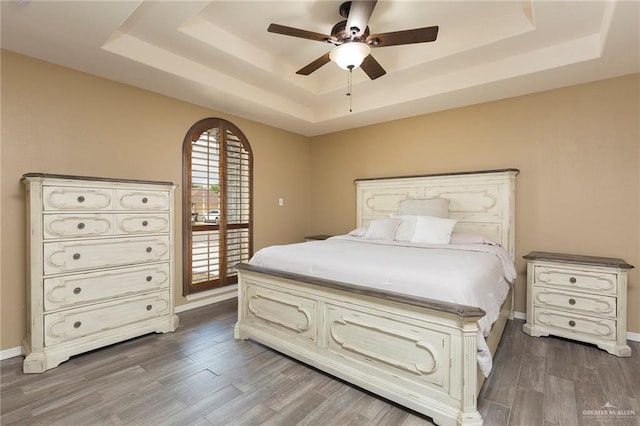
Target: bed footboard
(418, 353)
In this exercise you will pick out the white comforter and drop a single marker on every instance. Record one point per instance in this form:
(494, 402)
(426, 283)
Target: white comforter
(469, 274)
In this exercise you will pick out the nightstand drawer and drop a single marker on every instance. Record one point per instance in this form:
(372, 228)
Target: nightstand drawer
(583, 279)
(576, 323)
(588, 304)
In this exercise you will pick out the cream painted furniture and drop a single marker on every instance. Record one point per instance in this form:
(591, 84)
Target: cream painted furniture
(420, 353)
(100, 264)
(578, 297)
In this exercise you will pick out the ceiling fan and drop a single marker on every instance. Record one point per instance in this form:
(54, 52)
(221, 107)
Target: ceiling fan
(353, 41)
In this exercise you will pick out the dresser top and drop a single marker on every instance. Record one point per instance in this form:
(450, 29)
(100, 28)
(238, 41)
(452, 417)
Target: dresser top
(93, 178)
(576, 258)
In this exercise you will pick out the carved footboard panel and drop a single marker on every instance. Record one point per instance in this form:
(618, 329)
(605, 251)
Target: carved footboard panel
(418, 353)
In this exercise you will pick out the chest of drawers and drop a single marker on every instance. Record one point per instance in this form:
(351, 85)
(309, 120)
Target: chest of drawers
(100, 264)
(578, 297)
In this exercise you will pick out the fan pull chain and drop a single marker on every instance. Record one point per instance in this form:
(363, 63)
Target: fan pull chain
(349, 87)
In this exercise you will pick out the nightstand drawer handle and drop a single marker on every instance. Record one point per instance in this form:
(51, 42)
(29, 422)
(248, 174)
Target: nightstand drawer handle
(81, 225)
(81, 199)
(149, 278)
(149, 307)
(145, 223)
(572, 323)
(77, 324)
(145, 200)
(572, 301)
(149, 249)
(572, 280)
(77, 290)
(76, 256)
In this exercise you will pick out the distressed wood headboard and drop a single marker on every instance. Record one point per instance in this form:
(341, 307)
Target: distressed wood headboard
(482, 202)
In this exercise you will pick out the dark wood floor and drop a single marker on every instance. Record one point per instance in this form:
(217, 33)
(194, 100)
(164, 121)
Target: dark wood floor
(199, 375)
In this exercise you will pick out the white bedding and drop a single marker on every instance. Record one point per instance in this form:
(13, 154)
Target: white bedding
(469, 274)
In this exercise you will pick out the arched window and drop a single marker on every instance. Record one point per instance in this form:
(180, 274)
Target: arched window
(216, 204)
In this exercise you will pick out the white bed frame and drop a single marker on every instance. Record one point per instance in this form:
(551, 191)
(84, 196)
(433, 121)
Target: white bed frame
(419, 353)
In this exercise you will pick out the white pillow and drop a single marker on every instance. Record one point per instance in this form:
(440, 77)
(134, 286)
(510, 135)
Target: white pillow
(436, 207)
(358, 232)
(406, 227)
(382, 229)
(433, 230)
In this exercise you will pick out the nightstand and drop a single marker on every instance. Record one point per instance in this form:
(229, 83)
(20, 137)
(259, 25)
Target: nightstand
(578, 297)
(318, 237)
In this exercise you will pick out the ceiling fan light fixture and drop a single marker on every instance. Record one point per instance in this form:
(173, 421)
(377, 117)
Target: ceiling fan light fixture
(349, 55)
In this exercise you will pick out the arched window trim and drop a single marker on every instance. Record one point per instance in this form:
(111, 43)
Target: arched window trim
(193, 135)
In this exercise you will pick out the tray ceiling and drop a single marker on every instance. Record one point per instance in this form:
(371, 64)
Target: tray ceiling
(219, 54)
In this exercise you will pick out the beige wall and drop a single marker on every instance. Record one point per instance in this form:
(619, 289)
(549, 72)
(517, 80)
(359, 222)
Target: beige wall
(57, 120)
(577, 149)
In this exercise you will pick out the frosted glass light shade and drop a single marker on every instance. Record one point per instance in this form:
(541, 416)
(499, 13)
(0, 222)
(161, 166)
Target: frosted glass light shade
(349, 54)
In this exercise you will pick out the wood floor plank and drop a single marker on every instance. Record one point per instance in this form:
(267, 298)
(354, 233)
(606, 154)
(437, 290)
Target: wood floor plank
(527, 408)
(560, 402)
(199, 375)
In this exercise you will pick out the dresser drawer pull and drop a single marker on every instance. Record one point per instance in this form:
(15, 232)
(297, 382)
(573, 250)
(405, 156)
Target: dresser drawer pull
(144, 200)
(149, 307)
(77, 324)
(76, 256)
(81, 199)
(77, 290)
(145, 223)
(81, 225)
(148, 249)
(149, 278)
(572, 280)
(572, 323)
(572, 301)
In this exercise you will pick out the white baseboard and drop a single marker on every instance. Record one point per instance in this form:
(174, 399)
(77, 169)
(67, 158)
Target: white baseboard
(10, 353)
(208, 298)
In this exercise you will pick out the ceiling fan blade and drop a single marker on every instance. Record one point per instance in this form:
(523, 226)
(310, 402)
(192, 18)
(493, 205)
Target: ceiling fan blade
(359, 14)
(322, 60)
(418, 35)
(295, 32)
(372, 68)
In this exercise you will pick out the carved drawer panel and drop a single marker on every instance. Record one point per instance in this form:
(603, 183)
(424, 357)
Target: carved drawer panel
(415, 353)
(589, 304)
(576, 323)
(77, 225)
(142, 223)
(71, 198)
(76, 289)
(69, 256)
(285, 312)
(142, 200)
(576, 279)
(79, 322)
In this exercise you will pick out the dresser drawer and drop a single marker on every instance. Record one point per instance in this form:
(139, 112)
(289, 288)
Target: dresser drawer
(575, 323)
(590, 280)
(585, 303)
(77, 225)
(79, 322)
(78, 289)
(72, 198)
(142, 200)
(142, 223)
(69, 256)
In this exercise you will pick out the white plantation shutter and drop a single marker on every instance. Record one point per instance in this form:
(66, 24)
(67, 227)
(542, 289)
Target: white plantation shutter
(218, 174)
